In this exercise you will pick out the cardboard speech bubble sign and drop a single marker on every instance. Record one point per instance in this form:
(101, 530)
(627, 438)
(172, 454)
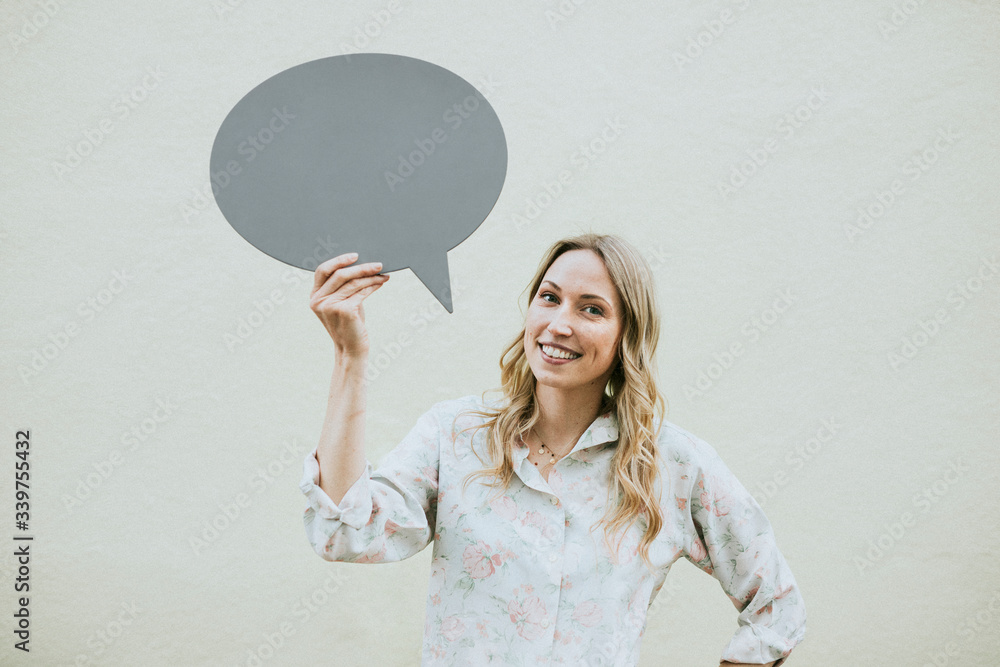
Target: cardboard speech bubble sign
(392, 157)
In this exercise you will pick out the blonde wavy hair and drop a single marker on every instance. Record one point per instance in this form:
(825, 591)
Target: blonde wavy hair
(631, 393)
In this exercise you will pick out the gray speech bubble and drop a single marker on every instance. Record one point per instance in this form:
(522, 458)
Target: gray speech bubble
(392, 157)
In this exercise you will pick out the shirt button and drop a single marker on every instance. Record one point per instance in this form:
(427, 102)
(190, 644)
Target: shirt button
(544, 623)
(554, 500)
(554, 558)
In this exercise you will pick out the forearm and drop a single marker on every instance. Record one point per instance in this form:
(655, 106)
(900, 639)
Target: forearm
(341, 450)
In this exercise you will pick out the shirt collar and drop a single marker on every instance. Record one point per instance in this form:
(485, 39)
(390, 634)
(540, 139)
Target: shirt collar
(602, 432)
(604, 429)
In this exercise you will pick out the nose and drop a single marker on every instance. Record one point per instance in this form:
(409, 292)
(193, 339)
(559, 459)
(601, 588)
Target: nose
(559, 324)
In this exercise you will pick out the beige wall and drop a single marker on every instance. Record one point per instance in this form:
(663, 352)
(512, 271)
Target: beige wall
(904, 107)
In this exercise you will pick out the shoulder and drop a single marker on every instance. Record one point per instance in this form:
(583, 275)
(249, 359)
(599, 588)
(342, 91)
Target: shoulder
(676, 440)
(697, 467)
(463, 411)
(679, 448)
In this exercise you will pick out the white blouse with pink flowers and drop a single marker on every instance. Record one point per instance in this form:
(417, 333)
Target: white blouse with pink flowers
(521, 580)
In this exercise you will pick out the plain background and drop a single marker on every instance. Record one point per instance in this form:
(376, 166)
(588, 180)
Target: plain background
(207, 349)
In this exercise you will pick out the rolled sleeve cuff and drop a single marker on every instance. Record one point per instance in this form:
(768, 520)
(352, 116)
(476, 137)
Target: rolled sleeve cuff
(355, 507)
(757, 645)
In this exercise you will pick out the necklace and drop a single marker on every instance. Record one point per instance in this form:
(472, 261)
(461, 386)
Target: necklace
(541, 450)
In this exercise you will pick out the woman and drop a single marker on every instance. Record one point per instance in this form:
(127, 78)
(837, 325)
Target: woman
(576, 442)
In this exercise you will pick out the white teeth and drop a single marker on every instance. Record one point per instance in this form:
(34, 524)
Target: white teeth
(556, 353)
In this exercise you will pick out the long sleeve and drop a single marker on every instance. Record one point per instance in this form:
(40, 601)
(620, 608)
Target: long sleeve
(388, 514)
(734, 542)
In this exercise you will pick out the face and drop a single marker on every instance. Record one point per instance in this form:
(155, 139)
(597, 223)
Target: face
(577, 309)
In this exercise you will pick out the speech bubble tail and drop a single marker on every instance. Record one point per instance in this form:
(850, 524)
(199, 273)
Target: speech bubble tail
(433, 273)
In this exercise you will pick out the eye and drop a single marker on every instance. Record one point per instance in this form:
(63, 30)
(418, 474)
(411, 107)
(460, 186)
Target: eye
(599, 311)
(545, 294)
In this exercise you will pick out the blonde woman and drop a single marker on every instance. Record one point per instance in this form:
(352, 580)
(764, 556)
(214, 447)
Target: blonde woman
(557, 508)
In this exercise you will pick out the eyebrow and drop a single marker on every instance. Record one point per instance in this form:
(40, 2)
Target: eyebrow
(582, 296)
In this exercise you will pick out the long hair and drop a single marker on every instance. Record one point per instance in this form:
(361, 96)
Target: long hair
(631, 392)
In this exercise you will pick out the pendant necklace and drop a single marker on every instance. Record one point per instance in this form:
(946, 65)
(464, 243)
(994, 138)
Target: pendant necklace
(542, 449)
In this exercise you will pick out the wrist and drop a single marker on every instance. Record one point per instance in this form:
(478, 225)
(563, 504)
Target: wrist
(350, 359)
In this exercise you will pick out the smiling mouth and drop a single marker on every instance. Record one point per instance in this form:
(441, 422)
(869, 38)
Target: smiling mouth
(556, 353)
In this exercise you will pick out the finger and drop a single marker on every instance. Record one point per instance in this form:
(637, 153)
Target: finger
(362, 293)
(324, 270)
(358, 284)
(349, 288)
(356, 300)
(341, 276)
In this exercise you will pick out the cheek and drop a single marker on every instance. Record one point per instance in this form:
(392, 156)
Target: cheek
(611, 347)
(530, 336)
(532, 325)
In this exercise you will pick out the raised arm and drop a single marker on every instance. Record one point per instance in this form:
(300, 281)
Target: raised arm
(733, 541)
(341, 450)
(356, 514)
(338, 292)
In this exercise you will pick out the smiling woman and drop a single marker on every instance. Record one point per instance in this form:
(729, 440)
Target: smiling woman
(577, 439)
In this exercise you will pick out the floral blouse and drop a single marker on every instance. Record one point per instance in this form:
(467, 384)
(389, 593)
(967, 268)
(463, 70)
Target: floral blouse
(521, 580)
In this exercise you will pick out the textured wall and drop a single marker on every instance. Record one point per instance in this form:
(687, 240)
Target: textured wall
(837, 162)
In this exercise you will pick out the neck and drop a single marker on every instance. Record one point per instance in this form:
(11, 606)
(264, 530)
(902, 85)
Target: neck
(565, 415)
